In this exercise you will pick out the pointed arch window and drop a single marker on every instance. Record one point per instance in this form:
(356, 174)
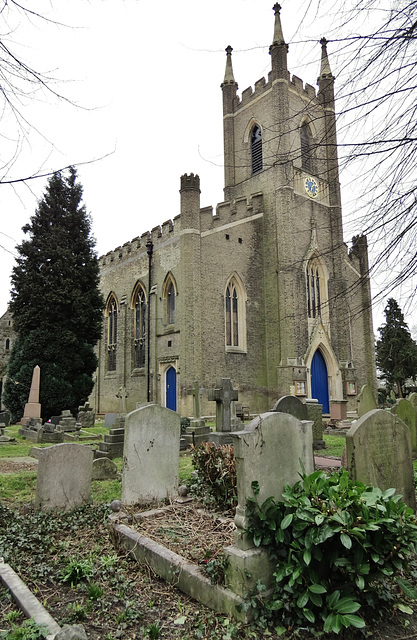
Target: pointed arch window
(306, 140)
(235, 315)
(256, 149)
(139, 331)
(111, 333)
(7, 344)
(316, 286)
(169, 296)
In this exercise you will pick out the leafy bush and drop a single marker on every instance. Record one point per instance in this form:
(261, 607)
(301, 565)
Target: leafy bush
(216, 474)
(338, 545)
(29, 630)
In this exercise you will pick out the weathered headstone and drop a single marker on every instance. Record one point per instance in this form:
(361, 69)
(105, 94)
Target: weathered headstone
(379, 453)
(293, 406)
(408, 414)
(32, 407)
(86, 416)
(151, 455)
(104, 469)
(224, 396)
(268, 451)
(413, 399)
(197, 431)
(64, 477)
(67, 422)
(315, 413)
(4, 418)
(366, 400)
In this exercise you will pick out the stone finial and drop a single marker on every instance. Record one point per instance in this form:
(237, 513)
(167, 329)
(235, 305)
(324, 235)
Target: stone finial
(228, 74)
(278, 35)
(325, 71)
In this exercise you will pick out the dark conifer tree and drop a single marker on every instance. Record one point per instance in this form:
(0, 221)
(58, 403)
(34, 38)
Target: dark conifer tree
(56, 303)
(396, 351)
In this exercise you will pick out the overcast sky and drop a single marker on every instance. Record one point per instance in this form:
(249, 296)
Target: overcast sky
(146, 78)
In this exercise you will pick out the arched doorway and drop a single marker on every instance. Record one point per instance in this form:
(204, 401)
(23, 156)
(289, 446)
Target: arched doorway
(320, 381)
(171, 389)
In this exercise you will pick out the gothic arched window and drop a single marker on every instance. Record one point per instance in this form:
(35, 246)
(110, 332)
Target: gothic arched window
(256, 149)
(306, 140)
(169, 295)
(235, 315)
(316, 286)
(111, 312)
(139, 330)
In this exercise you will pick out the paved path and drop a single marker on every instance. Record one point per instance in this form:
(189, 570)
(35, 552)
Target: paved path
(327, 462)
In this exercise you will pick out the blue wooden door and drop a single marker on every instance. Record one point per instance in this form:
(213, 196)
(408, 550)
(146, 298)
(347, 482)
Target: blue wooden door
(171, 389)
(319, 381)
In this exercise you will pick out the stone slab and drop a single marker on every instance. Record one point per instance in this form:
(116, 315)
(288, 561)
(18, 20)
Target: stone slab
(151, 455)
(64, 477)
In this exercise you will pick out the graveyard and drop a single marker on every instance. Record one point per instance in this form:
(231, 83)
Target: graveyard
(149, 549)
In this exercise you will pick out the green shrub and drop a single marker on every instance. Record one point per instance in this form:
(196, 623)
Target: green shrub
(29, 630)
(338, 546)
(216, 474)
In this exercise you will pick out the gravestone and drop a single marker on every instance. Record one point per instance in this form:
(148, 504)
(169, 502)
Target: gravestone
(67, 422)
(110, 419)
(224, 396)
(151, 455)
(293, 406)
(86, 416)
(4, 418)
(379, 453)
(366, 400)
(408, 414)
(315, 413)
(268, 451)
(103, 469)
(197, 431)
(413, 399)
(32, 407)
(64, 477)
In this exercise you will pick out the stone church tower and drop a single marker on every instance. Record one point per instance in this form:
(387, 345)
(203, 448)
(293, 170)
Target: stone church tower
(263, 290)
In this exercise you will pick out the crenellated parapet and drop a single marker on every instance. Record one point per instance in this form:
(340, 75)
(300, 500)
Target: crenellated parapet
(304, 90)
(240, 209)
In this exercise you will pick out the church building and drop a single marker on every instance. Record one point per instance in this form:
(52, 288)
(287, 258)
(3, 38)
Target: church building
(263, 289)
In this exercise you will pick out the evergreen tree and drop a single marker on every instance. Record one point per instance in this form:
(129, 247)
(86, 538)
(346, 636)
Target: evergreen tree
(56, 303)
(396, 351)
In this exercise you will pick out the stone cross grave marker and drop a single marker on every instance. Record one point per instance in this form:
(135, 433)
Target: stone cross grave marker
(379, 453)
(196, 391)
(223, 395)
(268, 452)
(151, 455)
(122, 395)
(64, 477)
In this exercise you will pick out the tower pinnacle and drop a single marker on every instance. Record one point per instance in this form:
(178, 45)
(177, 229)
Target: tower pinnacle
(278, 36)
(278, 49)
(228, 74)
(325, 71)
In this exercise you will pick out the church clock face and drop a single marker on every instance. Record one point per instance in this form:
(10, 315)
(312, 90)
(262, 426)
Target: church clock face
(311, 187)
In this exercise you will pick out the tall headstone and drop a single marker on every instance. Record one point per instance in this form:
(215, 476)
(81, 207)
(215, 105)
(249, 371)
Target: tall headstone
(366, 400)
(64, 477)
(406, 412)
(224, 396)
(315, 413)
(268, 451)
(151, 455)
(379, 453)
(33, 407)
(197, 431)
